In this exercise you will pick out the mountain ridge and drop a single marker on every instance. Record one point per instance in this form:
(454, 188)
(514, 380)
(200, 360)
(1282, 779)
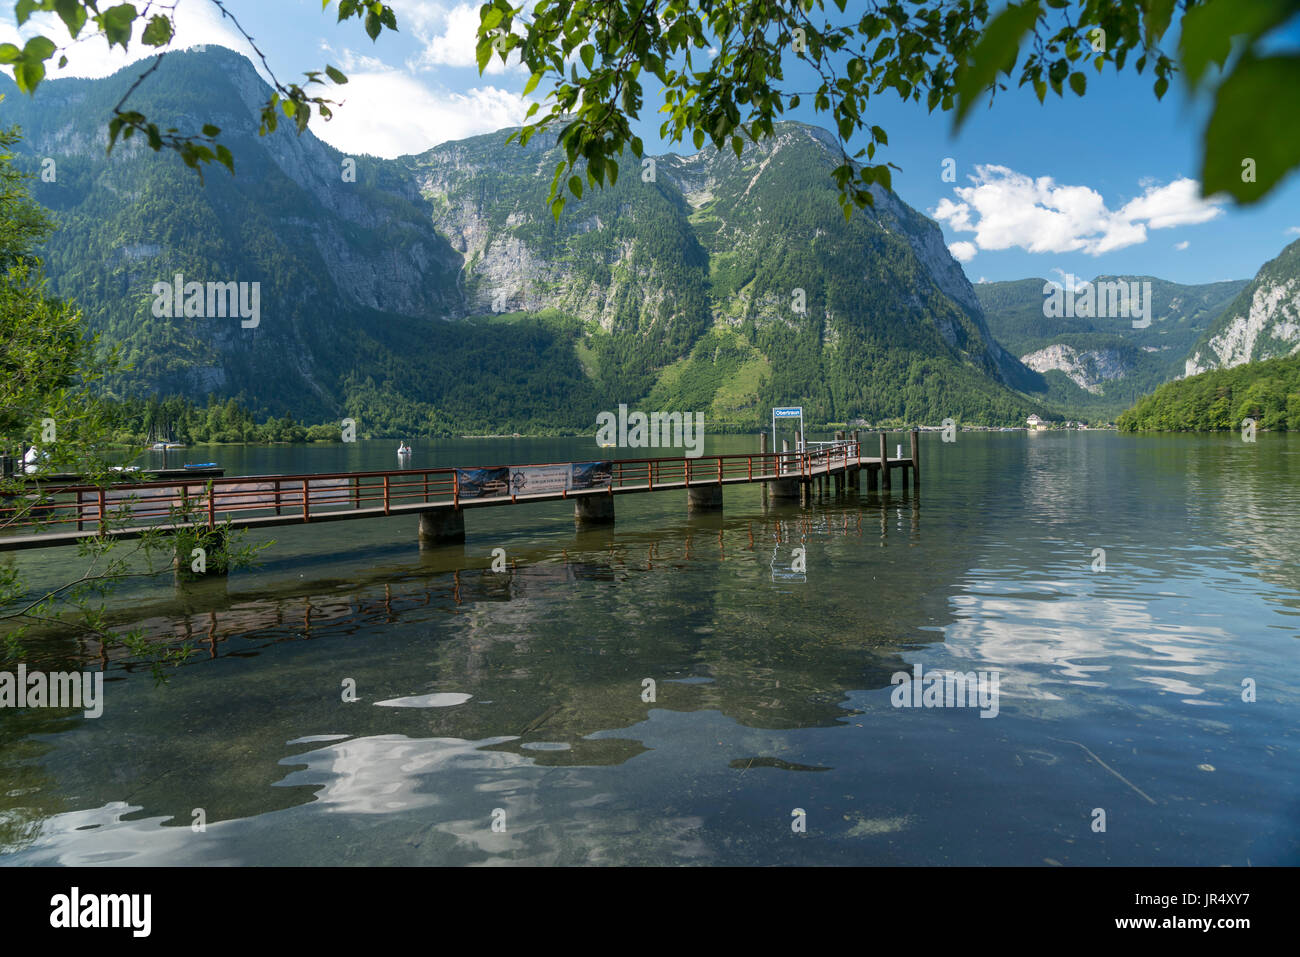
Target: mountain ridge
(436, 292)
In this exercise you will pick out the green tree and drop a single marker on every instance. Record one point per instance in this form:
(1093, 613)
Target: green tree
(48, 366)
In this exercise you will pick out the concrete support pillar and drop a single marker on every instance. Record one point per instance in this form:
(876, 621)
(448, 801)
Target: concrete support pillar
(785, 489)
(594, 509)
(704, 498)
(442, 527)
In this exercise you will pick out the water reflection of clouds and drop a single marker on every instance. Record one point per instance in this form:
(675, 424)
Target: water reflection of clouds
(98, 837)
(379, 775)
(1065, 637)
(391, 772)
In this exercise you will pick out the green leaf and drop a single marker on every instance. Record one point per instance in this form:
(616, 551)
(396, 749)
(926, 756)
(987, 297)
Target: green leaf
(73, 15)
(28, 74)
(575, 186)
(1079, 83)
(374, 26)
(9, 53)
(995, 53)
(1207, 30)
(1253, 119)
(1156, 15)
(38, 48)
(116, 23)
(157, 33)
(210, 130)
(588, 54)
(336, 75)
(24, 9)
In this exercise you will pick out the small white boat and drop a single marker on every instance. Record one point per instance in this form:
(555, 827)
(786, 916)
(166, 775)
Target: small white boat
(403, 449)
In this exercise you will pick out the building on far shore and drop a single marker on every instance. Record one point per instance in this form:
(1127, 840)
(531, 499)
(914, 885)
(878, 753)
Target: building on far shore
(1035, 423)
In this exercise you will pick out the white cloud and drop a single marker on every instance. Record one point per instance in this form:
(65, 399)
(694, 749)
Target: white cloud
(1181, 246)
(389, 113)
(1293, 230)
(962, 251)
(1178, 204)
(447, 34)
(1006, 209)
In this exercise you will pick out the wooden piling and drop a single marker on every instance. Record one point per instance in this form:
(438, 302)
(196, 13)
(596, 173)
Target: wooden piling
(885, 484)
(916, 459)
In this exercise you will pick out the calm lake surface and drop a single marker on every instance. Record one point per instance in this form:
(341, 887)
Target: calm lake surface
(517, 698)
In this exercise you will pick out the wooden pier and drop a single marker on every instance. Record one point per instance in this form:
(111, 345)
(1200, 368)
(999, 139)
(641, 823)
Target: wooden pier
(439, 497)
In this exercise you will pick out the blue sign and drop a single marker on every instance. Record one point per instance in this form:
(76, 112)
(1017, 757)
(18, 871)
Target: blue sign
(787, 413)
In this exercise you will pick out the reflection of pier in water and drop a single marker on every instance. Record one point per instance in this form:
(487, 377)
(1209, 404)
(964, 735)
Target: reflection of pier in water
(448, 581)
(551, 681)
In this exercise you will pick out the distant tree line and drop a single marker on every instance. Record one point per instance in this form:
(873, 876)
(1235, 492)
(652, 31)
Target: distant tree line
(178, 419)
(1267, 391)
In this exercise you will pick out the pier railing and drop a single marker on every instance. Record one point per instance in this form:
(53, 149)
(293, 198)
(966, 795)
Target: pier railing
(172, 502)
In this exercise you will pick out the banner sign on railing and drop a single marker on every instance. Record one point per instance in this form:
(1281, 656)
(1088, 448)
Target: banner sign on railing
(538, 479)
(532, 479)
(592, 475)
(483, 483)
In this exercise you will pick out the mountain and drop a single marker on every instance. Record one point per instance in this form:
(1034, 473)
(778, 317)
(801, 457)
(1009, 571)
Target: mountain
(1262, 322)
(435, 293)
(1101, 362)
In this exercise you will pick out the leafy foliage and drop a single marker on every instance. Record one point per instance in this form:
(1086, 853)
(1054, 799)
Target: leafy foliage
(116, 25)
(722, 66)
(1219, 400)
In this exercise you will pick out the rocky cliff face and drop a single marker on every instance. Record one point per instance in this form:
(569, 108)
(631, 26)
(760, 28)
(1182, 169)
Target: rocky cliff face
(1263, 322)
(1088, 369)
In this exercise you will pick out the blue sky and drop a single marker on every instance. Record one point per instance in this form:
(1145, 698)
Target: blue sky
(1086, 186)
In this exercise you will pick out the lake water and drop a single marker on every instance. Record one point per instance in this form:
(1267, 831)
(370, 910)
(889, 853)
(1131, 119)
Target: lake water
(501, 717)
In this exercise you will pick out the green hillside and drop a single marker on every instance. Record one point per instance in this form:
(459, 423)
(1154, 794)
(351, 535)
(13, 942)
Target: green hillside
(1268, 391)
